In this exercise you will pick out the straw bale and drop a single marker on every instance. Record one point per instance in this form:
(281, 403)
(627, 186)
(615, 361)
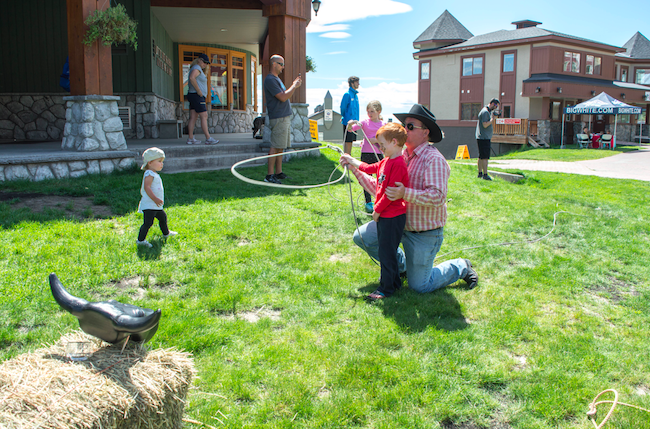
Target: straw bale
(134, 388)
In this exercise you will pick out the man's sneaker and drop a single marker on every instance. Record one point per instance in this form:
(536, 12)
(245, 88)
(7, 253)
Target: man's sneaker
(486, 177)
(170, 234)
(144, 243)
(471, 278)
(270, 178)
(211, 141)
(192, 141)
(370, 207)
(480, 174)
(281, 176)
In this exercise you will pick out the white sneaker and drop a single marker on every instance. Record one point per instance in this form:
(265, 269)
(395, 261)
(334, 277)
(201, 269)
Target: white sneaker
(193, 141)
(171, 234)
(211, 141)
(143, 243)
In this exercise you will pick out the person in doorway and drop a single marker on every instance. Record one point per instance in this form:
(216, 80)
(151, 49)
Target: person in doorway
(370, 151)
(350, 112)
(278, 108)
(196, 93)
(389, 215)
(484, 136)
(426, 208)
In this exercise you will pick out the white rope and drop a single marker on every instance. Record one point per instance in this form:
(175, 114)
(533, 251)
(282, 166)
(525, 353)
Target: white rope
(235, 173)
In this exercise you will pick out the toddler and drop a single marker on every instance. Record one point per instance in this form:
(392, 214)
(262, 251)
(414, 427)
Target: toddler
(153, 195)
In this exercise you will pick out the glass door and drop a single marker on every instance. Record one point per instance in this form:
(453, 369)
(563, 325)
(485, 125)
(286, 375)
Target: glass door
(219, 81)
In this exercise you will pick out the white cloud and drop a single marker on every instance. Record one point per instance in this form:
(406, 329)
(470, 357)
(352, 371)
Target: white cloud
(336, 53)
(336, 35)
(338, 11)
(394, 97)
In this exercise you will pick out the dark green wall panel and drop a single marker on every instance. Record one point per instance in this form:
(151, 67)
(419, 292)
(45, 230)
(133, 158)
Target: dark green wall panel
(33, 47)
(132, 71)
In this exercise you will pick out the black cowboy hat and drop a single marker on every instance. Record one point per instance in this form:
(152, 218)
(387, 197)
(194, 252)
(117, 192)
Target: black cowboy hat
(423, 114)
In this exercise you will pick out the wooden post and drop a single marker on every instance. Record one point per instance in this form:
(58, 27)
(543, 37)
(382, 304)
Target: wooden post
(91, 67)
(287, 37)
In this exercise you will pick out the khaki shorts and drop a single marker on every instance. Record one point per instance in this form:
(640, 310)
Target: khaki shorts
(280, 132)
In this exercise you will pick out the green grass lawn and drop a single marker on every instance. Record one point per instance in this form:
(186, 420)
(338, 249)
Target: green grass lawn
(265, 288)
(570, 153)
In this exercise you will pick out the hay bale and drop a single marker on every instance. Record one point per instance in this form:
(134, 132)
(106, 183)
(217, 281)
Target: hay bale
(134, 388)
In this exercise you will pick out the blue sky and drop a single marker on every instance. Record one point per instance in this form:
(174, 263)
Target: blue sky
(373, 39)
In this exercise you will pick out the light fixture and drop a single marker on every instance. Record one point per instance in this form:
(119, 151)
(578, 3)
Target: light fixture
(623, 95)
(503, 94)
(316, 5)
(593, 93)
(559, 89)
(538, 89)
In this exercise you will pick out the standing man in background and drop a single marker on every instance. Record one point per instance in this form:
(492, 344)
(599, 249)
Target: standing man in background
(350, 112)
(278, 108)
(484, 137)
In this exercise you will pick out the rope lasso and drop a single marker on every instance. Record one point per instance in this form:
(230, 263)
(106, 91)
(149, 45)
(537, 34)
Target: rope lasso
(594, 404)
(235, 173)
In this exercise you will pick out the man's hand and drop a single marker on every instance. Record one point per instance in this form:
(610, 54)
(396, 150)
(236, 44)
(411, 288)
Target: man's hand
(375, 216)
(396, 192)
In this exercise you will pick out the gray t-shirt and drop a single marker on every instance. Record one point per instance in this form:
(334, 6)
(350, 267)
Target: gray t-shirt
(274, 107)
(483, 133)
(201, 80)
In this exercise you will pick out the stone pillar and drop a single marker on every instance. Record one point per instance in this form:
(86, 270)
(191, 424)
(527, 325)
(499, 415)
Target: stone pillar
(299, 126)
(92, 124)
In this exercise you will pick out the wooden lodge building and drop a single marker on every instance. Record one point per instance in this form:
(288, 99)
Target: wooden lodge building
(535, 73)
(149, 83)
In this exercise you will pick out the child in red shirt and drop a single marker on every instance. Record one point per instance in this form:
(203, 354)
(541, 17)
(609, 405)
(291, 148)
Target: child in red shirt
(389, 215)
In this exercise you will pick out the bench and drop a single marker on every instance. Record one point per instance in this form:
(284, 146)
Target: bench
(170, 129)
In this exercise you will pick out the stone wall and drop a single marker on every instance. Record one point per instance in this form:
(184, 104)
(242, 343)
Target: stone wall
(42, 167)
(146, 111)
(38, 117)
(299, 126)
(92, 124)
(42, 117)
(220, 122)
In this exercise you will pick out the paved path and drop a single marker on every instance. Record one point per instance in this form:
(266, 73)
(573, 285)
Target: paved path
(630, 165)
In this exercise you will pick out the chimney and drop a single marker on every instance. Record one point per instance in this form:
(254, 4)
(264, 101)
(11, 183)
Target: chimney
(526, 23)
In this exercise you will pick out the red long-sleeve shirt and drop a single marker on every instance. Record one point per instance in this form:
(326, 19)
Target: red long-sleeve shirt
(388, 171)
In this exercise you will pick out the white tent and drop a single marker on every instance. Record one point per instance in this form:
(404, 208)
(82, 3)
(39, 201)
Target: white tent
(602, 104)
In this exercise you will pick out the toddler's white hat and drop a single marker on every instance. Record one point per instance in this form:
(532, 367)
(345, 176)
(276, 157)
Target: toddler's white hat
(151, 154)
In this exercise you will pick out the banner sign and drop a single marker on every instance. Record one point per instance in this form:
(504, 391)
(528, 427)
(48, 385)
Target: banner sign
(572, 110)
(509, 121)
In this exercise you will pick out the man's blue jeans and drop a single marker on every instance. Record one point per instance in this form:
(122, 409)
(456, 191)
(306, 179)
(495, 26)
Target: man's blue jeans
(417, 258)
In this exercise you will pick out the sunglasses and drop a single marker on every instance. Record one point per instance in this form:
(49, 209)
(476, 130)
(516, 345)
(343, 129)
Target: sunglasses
(282, 64)
(410, 127)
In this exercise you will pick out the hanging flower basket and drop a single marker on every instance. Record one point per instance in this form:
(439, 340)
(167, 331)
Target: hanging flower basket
(112, 26)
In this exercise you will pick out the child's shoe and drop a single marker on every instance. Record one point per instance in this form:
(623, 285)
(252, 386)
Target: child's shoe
(144, 243)
(170, 234)
(370, 207)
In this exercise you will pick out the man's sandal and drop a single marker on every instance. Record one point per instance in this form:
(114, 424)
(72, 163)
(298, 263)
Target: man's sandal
(376, 295)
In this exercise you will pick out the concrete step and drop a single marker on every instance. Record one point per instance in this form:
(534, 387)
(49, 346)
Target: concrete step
(184, 164)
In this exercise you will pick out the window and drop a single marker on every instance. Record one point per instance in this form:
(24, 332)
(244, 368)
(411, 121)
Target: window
(238, 81)
(554, 110)
(592, 65)
(469, 111)
(508, 63)
(472, 66)
(424, 70)
(643, 76)
(227, 81)
(623, 74)
(219, 81)
(571, 62)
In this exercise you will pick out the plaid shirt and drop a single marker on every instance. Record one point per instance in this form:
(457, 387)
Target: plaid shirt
(426, 199)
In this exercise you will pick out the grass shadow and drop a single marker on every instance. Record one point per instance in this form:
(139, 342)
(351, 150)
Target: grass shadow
(415, 312)
(120, 190)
